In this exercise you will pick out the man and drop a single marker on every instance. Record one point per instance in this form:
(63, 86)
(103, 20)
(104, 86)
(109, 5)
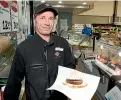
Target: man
(37, 59)
(86, 30)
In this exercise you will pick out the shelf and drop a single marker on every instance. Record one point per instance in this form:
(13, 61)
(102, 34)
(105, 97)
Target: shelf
(101, 42)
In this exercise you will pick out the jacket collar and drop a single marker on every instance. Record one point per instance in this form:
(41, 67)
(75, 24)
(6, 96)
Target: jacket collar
(43, 42)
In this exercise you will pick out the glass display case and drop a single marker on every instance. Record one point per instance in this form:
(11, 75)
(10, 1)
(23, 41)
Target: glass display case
(109, 58)
(86, 42)
(111, 38)
(64, 34)
(110, 34)
(81, 44)
(75, 39)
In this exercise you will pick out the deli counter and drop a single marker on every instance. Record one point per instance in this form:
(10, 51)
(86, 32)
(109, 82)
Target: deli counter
(106, 65)
(104, 60)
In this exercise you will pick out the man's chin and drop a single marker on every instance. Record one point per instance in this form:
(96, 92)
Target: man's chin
(46, 34)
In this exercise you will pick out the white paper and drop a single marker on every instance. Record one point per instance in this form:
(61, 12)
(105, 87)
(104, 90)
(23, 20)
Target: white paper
(84, 93)
(114, 94)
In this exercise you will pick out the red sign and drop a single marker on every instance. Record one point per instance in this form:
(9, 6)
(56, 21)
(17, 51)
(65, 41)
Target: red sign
(4, 4)
(14, 6)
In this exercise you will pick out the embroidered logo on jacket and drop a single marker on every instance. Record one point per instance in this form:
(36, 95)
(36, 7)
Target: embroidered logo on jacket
(57, 54)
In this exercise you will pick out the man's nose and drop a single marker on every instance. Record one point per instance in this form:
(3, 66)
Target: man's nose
(47, 22)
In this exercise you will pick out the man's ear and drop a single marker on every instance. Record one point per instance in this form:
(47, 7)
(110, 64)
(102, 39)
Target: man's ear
(34, 21)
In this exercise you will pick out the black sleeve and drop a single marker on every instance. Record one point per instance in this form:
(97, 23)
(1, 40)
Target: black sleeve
(16, 75)
(69, 60)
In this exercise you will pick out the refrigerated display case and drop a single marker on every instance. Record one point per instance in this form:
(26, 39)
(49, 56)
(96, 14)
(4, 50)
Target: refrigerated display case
(110, 34)
(106, 65)
(109, 58)
(82, 45)
(74, 41)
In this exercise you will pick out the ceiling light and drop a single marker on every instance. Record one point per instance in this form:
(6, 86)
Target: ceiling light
(119, 54)
(101, 47)
(58, 6)
(42, 1)
(84, 3)
(60, 1)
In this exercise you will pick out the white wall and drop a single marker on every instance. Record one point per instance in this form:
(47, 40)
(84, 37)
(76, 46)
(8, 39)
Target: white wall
(90, 19)
(119, 9)
(101, 8)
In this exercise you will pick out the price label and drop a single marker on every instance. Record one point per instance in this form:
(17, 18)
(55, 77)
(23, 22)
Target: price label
(113, 94)
(15, 25)
(14, 15)
(6, 25)
(5, 22)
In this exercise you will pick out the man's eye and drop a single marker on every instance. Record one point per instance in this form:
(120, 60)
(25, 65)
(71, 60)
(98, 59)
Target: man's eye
(51, 18)
(41, 17)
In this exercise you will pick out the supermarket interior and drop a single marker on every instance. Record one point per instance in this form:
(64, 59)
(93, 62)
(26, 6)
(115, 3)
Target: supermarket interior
(97, 54)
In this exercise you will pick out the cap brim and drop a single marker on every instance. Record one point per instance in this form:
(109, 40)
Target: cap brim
(48, 9)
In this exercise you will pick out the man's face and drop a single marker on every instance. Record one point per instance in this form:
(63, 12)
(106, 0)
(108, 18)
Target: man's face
(44, 23)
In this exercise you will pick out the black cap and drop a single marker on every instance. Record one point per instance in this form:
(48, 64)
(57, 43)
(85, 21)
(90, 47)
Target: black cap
(45, 7)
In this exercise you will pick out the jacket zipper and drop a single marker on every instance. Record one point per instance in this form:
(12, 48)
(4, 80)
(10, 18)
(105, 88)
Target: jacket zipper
(45, 53)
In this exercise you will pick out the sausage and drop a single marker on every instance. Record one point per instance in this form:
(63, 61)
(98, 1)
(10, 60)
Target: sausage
(74, 81)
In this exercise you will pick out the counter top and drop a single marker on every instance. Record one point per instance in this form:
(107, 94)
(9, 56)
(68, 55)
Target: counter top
(110, 72)
(105, 70)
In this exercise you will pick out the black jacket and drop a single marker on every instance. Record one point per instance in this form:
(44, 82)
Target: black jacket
(37, 61)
